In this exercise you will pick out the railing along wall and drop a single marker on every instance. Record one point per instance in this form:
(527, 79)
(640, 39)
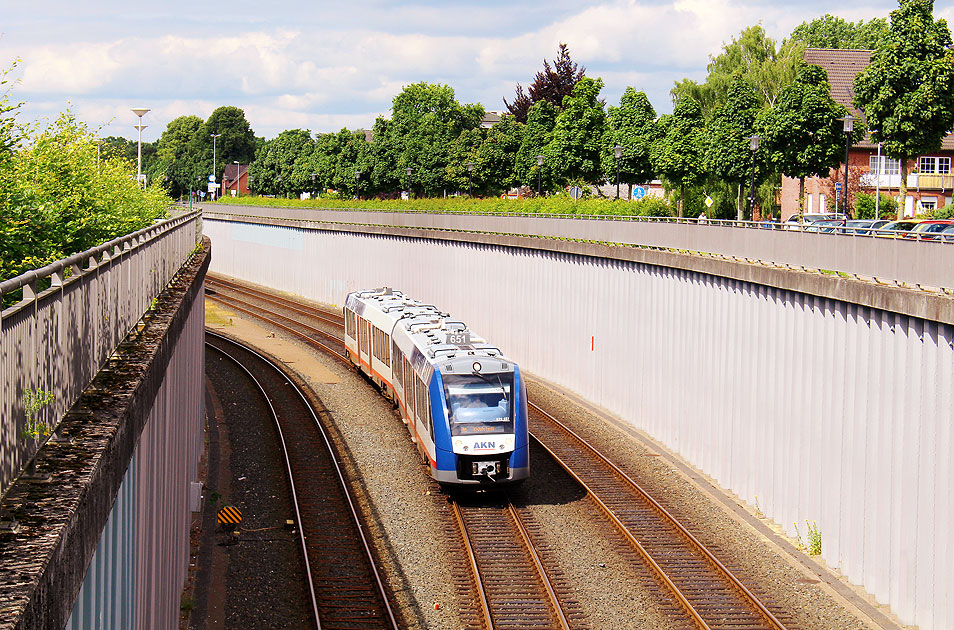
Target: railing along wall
(782, 394)
(72, 315)
(894, 258)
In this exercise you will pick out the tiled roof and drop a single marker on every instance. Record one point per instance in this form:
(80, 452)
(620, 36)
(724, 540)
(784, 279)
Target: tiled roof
(229, 173)
(843, 65)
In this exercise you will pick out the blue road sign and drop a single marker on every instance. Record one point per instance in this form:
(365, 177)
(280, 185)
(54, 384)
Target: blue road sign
(639, 192)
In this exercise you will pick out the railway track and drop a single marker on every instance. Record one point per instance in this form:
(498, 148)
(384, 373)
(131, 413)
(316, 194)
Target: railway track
(513, 587)
(346, 588)
(708, 593)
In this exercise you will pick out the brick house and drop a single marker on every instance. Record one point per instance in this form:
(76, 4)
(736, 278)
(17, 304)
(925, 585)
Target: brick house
(930, 179)
(235, 180)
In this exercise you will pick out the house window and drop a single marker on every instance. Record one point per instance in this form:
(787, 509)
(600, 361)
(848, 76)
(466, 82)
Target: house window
(928, 203)
(935, 165)
(887, 165)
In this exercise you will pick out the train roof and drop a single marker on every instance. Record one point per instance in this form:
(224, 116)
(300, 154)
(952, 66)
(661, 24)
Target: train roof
(432, 332)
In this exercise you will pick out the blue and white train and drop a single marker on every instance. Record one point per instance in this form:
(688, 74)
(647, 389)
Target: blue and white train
(463, 401)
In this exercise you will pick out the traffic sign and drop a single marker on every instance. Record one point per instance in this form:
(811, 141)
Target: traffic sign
(212, 177)
(709, 201)
(838, 187)
(638, 193)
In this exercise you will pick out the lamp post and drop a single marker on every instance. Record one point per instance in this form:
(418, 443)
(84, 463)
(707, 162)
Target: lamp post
(754, 146)
(214, 178)
(618, 150)
(470, 178)
(408, 185)
(357, 184)
(849, 121)
(139, 111)
(539, 174)
(313, 191)
(878, 185)
(238, 178)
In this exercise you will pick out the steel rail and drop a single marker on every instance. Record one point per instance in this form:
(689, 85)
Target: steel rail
(539, 564)
(720, 567)
(233, 303)
(475, 568)
(298, 307)
(381, 590)
(291, 478)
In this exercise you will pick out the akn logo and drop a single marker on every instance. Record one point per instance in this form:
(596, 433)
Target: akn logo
(484, 445)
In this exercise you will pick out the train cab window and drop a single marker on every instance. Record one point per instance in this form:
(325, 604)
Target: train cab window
(479, 403)
(349, 324)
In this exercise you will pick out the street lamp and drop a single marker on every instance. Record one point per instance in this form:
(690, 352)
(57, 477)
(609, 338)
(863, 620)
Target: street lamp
(849, 121)
(408, 184)
(313, 191)
(754, 146)
(619, 153)
(214, 178)
(470, 178)
(357, 184)
(139, 111)
(539, 173)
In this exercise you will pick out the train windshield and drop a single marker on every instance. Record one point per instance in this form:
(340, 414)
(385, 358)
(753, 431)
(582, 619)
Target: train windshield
(479, 403)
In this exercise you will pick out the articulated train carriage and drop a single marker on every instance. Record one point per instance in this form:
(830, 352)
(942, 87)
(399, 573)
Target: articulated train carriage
(464, 403)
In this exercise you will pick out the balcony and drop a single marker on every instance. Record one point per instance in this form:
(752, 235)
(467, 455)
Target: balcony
(922, 181)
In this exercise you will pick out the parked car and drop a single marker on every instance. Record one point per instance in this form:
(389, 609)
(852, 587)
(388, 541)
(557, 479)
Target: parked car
(927, 230)
(825, 225)
(947, 234)
(863, 227)
(808, 218)
(894, 229)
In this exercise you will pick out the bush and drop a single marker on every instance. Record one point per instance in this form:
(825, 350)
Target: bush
(58, 198)
(559, 205)
(947, 212)
(865, 206)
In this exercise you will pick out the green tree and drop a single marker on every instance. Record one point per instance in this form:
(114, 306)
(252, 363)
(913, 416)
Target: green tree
(802, 135)
(541, 120)
(181, 167)
(830, 31)
(426, 120)
(576, 144)
(236, 139)
(728, 154)
(752, 55)
(678, 155)
(283, 166)
(631, 126)
(907, 92)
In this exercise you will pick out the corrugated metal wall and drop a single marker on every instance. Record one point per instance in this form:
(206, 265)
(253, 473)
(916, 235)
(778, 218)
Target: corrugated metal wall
(135, 578)
(818, 410)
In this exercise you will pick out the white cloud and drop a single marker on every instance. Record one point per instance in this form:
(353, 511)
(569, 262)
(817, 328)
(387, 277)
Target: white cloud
(321, 67)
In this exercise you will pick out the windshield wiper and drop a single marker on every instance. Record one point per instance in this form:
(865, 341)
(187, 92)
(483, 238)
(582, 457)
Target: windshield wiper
(498, 385)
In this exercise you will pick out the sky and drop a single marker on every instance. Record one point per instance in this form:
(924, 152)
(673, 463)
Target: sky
(322, 66)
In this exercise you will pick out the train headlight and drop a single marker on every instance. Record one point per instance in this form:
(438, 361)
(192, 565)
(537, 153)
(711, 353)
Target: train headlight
(458, 444)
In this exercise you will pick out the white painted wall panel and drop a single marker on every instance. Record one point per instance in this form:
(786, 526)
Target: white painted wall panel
(816, 410)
